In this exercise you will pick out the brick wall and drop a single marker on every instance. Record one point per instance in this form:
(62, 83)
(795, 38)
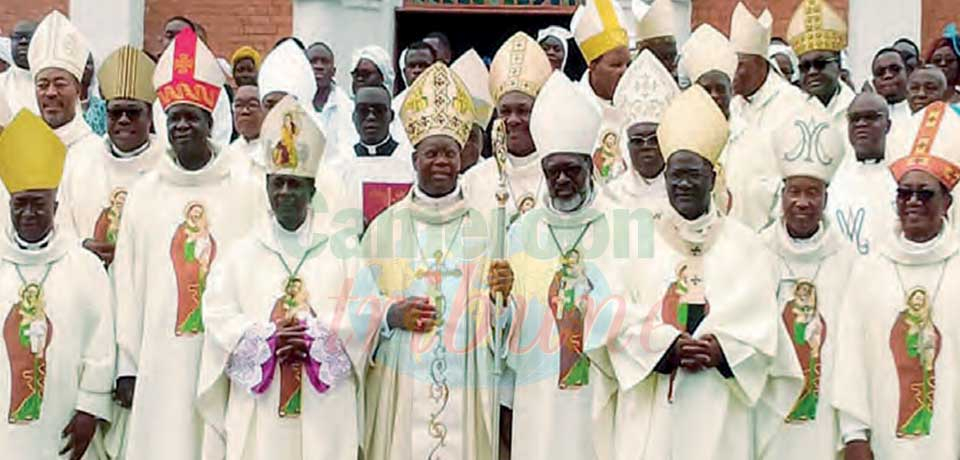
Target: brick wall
(230, 24)
(15, 10)
(718, 12)
(936, 15)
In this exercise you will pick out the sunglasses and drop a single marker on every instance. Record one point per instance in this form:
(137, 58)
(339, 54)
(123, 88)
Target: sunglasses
(906, 194)
(818, 64)
(132, 114)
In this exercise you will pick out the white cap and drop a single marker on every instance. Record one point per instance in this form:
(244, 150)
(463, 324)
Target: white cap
(286, 69)
(750, 34)
(564, 119)
(292, 142)
(57, 43)
(807, 144)
(657, 19)
(645, 90)
(707, 49)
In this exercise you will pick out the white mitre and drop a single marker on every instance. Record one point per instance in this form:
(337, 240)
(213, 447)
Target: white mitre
(645, 90)
(292, 142)
(808, 145)
(750, 34)
(707, 49)
(58, 44)
(657, 19)
(286, 69)
(564, 119)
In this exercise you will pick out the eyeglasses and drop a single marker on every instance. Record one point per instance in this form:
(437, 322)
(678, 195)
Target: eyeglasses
(818, 64)
(906, 194)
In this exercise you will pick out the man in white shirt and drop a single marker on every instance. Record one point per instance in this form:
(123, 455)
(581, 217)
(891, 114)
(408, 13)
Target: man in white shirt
(16, 84)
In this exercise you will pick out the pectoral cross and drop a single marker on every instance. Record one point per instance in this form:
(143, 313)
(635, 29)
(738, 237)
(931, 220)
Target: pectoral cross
(433, 277)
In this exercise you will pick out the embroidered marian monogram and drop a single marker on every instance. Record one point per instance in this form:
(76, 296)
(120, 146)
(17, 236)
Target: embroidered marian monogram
(809, 148)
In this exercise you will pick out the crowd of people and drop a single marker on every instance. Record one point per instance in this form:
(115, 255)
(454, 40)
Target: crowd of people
(715, 249)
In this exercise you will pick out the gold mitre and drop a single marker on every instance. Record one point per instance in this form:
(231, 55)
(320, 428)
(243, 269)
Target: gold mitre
(519, 65)
(437, 103)
(815, 25)
(693, 122)
(471, 69)
(31, 155)
(127, 74)
(598, 27)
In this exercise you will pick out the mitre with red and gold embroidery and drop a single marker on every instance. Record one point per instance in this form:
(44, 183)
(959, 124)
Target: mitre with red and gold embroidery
(936, 147)
(188, 73)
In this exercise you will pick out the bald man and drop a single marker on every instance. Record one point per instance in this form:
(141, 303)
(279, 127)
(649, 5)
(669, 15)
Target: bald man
(861, 193)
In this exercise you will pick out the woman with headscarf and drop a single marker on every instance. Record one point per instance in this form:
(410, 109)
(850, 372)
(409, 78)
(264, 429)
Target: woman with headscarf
(945, 54)
(555, 42)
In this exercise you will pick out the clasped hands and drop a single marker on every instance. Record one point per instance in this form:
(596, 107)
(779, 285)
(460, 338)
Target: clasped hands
(695, 355)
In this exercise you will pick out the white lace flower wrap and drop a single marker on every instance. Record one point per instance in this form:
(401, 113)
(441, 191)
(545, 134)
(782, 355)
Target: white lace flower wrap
(327, 350)
(245, 365)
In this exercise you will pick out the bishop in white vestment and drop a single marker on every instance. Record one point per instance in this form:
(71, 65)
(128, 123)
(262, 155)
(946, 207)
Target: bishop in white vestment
(563, 256)
(281, 404)
(723, 330)
(897, 391)
(762, 104)
(644, 92)
(178, 220)
(429, 391)
(814, 264)
(57, 349)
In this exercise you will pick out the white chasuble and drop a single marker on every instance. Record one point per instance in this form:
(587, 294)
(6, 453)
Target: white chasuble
(712, 270)
(862, 203)
(428, 395)
(632, 191)
(896, 377)
(19, 90)
(749, 164)
(176, 225)
(57, 349)
(564, 306)
(95, 186)
(525, 183)
(813, 283)
(275, 410)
